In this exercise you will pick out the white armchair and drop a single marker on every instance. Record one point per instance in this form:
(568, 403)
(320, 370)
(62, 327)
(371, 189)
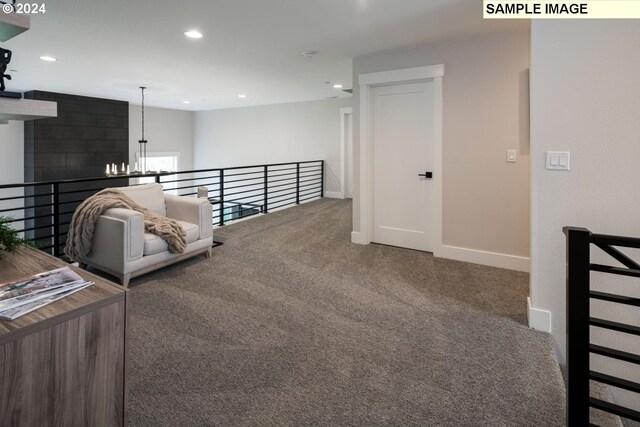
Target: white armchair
(121, 246)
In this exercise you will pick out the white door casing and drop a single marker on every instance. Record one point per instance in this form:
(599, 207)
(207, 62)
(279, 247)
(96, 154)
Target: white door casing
(346, 152)
(402, 148)
(367, 82)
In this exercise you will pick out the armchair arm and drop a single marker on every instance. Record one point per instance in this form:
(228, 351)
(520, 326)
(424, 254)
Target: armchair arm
(193, 210)
(118, 239)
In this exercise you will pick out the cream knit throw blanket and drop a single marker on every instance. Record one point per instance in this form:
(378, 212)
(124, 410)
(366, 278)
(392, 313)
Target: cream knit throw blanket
(83, 223)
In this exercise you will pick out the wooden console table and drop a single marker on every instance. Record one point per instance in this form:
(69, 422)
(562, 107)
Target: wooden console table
(64, 364)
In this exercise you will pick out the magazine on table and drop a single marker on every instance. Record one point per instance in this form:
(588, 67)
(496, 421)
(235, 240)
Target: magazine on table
(14, 313)
(26, 295)
(58, 277)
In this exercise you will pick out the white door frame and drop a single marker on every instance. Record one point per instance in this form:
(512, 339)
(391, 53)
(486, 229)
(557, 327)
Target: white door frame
(344, 112)
(366, 82)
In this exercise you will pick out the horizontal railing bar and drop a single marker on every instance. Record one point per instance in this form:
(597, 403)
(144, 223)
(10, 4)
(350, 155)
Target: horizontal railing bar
(312, 166)
(624, 241)
(21, 208)
(280, 170)
(282, 174)
(620, 299)
(316, 179)
(281, 203)
(307, 190)
(615, 354)
(70, 202)
(619, 256)
(260, 190)
(74, 180)
(281, 190)
(258, 184)
(316, 183)
(248, 205)
(191, 186)
(620, 271)
(275, 198)
(34, 228)
(149, 175)
(292, 179)
(614, 381)
(309, 198)
(4, 199)
(191, 179)
(30, 218)
(28, 207)
(261, 172)
(261, 178)
(615, 326)
(288, 184)
(612, 408)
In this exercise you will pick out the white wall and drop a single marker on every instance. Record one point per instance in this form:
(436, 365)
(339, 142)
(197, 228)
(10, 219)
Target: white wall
(12, 149)
(272, 134)
(12, 167)
(585, 98)
(485, 90)
(166, 130)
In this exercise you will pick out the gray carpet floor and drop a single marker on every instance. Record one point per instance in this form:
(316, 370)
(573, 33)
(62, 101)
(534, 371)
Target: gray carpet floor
(289, 324)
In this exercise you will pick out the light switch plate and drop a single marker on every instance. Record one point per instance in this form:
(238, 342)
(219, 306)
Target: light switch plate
(511, 156)
(558, 160)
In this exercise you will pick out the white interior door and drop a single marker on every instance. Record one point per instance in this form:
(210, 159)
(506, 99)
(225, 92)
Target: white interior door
(403, 147)
(348, 164)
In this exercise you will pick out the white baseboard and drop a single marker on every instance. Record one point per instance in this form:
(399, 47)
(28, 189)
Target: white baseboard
(538, 319)
(493, 259)
(334, 195)
(358, 238)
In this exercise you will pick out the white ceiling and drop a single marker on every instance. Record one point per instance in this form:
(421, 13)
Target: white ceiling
(110, 48)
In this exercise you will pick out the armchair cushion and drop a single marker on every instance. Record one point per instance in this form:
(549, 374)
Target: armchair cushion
(148, 196)
(154, 244)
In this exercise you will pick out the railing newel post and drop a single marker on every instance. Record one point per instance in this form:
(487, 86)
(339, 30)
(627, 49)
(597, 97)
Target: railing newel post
(577, 325)
(221, 191)
(266, 188)
(56, 218)
(322, 179)
(298, 183)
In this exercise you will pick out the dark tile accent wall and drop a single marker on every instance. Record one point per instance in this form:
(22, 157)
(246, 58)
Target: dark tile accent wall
(87, 134)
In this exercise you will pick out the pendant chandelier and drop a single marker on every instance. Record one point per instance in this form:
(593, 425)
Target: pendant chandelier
(142, 155)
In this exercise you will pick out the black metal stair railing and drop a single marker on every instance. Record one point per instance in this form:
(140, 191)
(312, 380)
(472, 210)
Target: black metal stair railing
(579, 321)
(42, 211)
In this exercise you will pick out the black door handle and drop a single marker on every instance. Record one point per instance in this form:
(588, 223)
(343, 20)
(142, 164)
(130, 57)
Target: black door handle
(427, 175)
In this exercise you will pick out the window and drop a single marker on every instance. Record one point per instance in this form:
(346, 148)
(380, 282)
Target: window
(161, 162)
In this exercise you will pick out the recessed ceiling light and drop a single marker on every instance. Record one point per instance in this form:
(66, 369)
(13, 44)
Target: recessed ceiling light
(186, 102)
(337, 86)
(193, 34)
(242, 95)
(48, 58)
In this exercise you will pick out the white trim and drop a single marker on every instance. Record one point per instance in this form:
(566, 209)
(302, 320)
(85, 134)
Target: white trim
(344, 112)
(538, 319)
(494, 259)
(356, 237)
(403, 75)
(334, 194)
(367, 82)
